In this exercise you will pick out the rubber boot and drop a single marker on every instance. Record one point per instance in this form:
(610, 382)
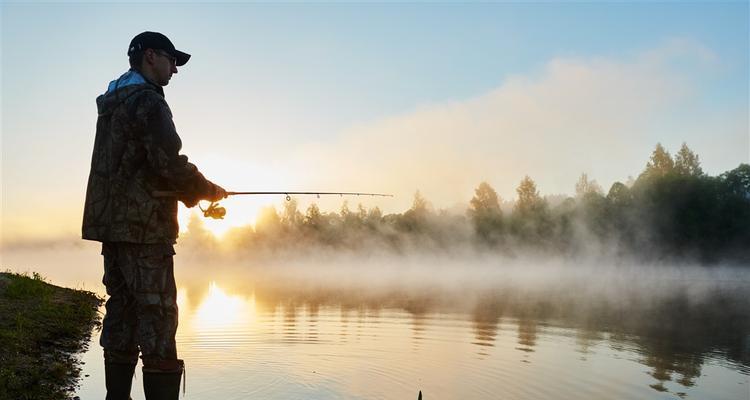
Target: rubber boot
(118, 379)
(162, 383)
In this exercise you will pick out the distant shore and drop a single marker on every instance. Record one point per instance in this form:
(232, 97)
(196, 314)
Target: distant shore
(42, 328)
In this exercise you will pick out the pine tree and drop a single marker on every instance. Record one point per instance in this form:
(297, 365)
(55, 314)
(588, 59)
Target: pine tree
(291, 217)
(528, 196)
(619, 195)
(585, 186)
(485, 212)
(415, 218)
(687, 163)
(419, 205)
(374, 217)
(313, 217)
(485, 201)
(530, 220)
(660, 164)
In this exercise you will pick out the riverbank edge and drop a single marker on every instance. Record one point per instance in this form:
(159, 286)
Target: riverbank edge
(43, 329)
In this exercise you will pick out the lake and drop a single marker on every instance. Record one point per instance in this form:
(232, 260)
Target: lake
(467, 333)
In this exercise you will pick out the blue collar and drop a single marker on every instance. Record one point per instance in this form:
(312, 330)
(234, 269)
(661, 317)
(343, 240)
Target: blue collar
(132, 77)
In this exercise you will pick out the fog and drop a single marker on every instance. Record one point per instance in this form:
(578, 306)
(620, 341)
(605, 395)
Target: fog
(663, 257)
(456, 281)
(459, 281)
(702, 309)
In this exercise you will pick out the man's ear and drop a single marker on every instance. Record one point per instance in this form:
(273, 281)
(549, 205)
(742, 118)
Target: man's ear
(149, 55)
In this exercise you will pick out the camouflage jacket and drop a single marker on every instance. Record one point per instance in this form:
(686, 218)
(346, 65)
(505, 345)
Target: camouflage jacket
(136, 151)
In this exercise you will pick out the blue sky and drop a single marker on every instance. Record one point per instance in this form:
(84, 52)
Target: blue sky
(281, 92)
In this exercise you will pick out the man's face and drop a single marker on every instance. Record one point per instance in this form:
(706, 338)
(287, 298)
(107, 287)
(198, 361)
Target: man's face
(163, 66)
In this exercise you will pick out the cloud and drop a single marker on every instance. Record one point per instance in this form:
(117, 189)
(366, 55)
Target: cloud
(596, 115)
(574, 115)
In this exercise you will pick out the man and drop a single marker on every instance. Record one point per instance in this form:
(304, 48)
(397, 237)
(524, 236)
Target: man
(136, 152)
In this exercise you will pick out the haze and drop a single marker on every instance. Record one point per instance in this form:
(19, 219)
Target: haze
(389, 98)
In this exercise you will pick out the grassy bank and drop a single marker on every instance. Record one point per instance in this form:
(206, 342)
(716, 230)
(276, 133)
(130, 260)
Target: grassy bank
(42, 327)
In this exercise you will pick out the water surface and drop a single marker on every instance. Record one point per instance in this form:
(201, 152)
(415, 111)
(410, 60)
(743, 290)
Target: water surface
(248, 338)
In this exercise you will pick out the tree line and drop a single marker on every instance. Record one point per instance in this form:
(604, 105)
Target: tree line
(672, 211)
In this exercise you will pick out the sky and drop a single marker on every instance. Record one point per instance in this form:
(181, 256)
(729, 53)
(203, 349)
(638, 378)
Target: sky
(377, 97)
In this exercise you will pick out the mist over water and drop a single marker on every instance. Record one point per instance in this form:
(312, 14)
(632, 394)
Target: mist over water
(684, 327)
(462, 280)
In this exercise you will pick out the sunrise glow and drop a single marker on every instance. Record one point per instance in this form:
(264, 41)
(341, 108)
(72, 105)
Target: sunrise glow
(219, 310)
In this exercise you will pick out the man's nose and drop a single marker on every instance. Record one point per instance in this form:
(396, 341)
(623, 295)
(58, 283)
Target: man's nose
(174, 69)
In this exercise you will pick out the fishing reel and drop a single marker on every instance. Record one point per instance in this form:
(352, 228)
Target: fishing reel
(213, 211)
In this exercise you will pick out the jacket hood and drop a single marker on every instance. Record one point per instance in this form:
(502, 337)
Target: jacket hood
(121, 88)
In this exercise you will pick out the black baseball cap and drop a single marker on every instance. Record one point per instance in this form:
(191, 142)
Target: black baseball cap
(156, 41)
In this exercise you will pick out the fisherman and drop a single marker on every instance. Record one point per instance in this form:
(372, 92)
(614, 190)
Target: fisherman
(136, 152)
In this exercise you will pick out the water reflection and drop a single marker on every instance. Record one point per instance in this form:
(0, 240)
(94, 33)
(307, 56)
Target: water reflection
(344, 323)
(685, 326)
(526, 335)
(313, 309)
(586, 340)
(485, 319)
(221, 311)
(290, 322)
(673, 337)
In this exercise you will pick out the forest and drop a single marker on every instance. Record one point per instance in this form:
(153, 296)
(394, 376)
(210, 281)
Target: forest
(672, 212)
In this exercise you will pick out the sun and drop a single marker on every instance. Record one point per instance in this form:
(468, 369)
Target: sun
(240, 212)
(232, 174)
(219, 227)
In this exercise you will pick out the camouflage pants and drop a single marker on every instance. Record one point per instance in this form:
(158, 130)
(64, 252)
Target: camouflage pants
(142, 306)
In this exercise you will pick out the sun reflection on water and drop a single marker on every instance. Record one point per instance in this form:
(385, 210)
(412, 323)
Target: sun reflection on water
(222, 311)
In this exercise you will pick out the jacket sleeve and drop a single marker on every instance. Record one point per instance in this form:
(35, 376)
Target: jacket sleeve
(162, 151)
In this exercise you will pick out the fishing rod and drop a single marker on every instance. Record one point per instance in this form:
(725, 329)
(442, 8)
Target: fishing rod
(216, 212)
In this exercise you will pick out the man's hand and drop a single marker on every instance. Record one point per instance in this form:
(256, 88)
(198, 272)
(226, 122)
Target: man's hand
(218, 193)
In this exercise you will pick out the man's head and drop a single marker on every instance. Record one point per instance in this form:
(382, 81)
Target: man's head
(154, 55)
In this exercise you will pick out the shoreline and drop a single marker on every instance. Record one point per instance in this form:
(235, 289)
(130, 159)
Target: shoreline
(43, 330)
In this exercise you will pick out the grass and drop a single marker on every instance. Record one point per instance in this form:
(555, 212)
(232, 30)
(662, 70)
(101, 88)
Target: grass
(42, 327)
